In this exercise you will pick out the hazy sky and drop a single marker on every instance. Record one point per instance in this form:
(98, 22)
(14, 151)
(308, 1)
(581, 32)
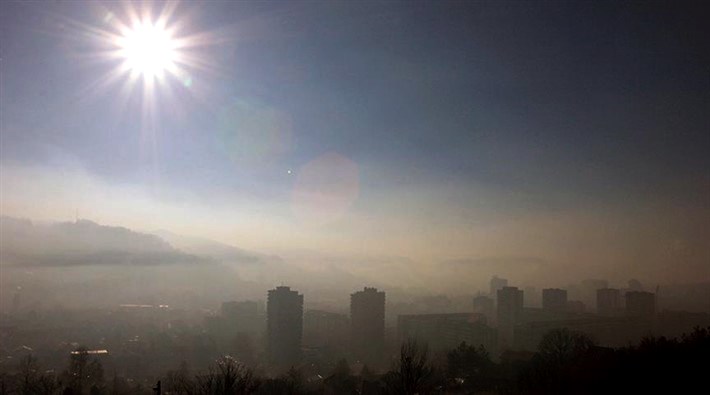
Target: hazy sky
(572, 133)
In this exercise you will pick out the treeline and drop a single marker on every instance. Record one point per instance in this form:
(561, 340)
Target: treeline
(566, 362)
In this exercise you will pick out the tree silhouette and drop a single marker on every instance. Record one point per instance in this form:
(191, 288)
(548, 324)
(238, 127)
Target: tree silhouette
(179, 381)
(469, 368)
(225, 377)
(234, 377)
(413, 373)
(560, 346)
(341, 381)
(559, 367)
(75, 376)
(29, 374)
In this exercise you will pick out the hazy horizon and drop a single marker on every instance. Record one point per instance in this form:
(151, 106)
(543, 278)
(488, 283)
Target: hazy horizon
(331, 197)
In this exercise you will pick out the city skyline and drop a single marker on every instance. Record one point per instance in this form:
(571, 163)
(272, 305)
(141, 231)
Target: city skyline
(374, 197)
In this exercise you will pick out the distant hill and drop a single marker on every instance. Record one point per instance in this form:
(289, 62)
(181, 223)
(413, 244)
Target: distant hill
(83, 243)
(209, 248)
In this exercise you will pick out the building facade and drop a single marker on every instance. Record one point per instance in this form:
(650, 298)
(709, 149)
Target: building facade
(608, 301)
(509, 311)
(284, 326)
(496, 284)
(639, 303)
(554, 299)
(484, 305)
(367, 318)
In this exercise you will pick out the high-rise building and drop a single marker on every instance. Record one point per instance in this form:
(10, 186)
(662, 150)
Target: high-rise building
(482, 304)
(639, 303)
(608, 301)
(496, 284)
(367, 317)
(284, 326)
(554, 299)
(509, 312)
(533, 297)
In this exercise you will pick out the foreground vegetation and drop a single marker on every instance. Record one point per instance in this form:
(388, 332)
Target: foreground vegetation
(566, 362)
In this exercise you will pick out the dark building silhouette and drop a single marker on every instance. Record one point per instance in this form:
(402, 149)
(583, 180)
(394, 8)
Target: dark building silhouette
(367, 317)
(533, 297)
(509, 313)
(496, 284)
(608, 301)
(639, 303)
(484, 305)
(554, 299)
(442, 332)
(284, 326)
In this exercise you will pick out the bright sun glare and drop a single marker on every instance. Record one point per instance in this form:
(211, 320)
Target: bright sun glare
(148, 49)
(150, 46)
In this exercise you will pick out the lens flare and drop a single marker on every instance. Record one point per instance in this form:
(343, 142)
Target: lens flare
(253, 133)
(325, 189)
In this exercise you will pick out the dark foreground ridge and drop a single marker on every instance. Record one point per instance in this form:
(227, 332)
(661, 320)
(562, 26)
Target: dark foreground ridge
(566, 362)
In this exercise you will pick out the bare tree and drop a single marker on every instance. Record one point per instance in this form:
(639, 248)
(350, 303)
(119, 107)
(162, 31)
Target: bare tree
(413, 373)
(179, 381)
(234, 377)
(28, 371)
(47, 384)
(32, 381)
(562, 345)
(226, 377)
(207, 383)
(75, 375)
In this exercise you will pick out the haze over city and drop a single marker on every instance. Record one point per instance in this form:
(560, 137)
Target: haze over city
(193, 157)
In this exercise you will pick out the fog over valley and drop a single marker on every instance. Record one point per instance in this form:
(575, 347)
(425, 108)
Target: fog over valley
(354, 197)
(59, 263)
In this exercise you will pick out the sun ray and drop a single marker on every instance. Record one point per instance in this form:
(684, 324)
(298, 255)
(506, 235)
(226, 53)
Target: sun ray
(135, 76)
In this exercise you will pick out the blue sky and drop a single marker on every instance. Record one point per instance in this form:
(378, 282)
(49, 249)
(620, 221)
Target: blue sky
(455, 114)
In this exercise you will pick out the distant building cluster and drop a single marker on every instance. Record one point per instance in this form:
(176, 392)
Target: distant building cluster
(501, 320)
(279, 332)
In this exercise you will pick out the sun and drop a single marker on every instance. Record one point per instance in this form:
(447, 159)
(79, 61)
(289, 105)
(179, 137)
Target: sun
(148, 49)
(150, 59)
